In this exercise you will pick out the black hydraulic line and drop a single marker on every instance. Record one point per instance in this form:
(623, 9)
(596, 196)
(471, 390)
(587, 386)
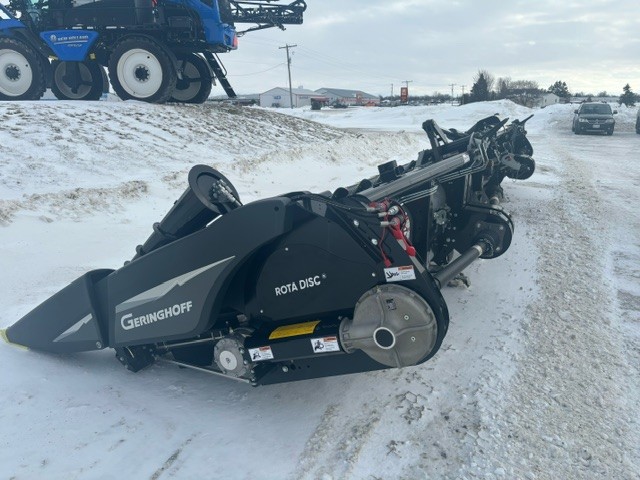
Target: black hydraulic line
(459, 264)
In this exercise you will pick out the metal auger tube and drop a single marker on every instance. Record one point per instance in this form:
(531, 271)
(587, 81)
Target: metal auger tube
(459, 264)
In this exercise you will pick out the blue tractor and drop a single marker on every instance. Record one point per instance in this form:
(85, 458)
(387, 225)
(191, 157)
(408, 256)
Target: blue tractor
(154, 50)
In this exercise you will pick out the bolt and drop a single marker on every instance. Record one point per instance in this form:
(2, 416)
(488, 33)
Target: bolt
(373, 274)
(478, 225)
(406, 317)
(261, 311)
(413, 339)
(501, 228)
(98, 345)
(285, 369)
(242, 350)
(374, 241)
(498, 249)
(356, 223)
(245, 362)
(286, 249)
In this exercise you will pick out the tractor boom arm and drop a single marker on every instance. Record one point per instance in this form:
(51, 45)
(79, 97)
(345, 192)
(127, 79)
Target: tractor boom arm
(265, 14)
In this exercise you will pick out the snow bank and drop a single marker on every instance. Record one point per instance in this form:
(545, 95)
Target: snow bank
(538, 377)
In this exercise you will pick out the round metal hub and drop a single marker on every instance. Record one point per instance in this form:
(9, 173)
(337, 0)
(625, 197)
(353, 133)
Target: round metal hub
(384, 338)
(393, 325)
(228, 355)
(16, 76)
(12, 72)
(62, 76)
(140, 73)
(229, 360)
(189, 85)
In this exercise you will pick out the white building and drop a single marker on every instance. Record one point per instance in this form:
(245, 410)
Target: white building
(547, 99)
(279, 97)
(348, 97)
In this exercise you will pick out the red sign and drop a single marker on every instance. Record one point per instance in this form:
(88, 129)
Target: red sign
(404, 94)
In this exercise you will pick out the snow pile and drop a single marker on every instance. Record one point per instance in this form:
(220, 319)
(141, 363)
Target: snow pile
(538, 377)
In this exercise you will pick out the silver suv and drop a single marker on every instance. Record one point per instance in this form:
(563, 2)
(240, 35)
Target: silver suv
(594, 117)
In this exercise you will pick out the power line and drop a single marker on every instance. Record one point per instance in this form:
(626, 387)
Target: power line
(256, 73)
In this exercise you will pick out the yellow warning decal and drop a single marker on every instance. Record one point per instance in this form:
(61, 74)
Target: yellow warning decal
(3, 335)
(294, 330)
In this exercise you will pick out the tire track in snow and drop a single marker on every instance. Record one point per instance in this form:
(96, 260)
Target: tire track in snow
(570, 410)
(74, 204)
(168, 465)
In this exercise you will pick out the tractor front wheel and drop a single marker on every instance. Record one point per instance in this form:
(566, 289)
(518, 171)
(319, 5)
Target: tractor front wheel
(195, 84)
(77, 80)
(141, 69)
(21, 71)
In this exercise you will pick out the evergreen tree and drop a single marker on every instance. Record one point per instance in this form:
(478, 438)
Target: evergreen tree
(480, 89)
(560, 89)
(628, 97)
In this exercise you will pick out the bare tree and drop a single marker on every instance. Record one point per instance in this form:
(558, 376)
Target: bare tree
(488, 77)
(524, 92)
(503, 85)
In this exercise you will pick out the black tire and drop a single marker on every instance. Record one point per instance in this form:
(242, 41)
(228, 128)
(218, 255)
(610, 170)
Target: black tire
(638, 127)
(22, 71)
(105, 80)
(141, 69)
(195, 84)
(610, 132)
(90, 77)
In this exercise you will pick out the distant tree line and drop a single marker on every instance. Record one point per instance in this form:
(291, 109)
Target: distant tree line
(487, 87)
(523, 92)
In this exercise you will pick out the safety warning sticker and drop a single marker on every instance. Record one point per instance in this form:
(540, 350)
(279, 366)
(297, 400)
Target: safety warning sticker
(261, 353)
(399, 274)
(294, 330)
(325, 344)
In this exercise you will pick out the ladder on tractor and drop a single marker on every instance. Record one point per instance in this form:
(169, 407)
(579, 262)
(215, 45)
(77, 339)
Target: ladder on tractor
(220, 73)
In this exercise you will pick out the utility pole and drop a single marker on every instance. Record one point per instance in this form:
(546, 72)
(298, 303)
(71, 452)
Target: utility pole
(452, 85)
(462, 99)
(287, 46)
(392, 90)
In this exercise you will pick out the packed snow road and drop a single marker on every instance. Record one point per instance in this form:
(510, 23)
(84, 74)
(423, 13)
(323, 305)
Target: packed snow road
(538, 377)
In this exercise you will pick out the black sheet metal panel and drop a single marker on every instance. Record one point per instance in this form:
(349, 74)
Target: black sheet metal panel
(316, 268)
(322, 365)
(175, 291)
(67, 322)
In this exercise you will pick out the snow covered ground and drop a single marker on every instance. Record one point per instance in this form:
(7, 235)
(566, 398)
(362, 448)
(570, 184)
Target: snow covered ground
(538, 377)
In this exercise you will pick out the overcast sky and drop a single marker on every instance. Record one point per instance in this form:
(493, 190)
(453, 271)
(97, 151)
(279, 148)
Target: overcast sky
(592, 45)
